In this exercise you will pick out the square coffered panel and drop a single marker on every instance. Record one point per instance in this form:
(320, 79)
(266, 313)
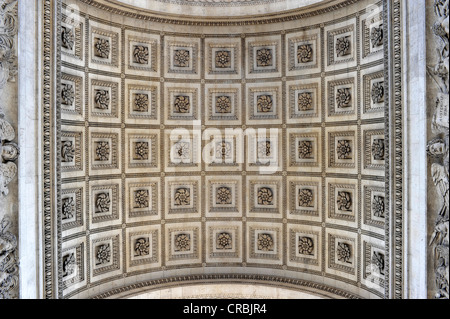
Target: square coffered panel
(304, 197)
(104, 151)
(104, 101)
(143, 248)
(223, 58)
(142, 102)
(342, 149)
(263, 56)
(305, 247)
(104, 43)
(142, 151)
(264, 243)
(143, 199)
(142, 54)
(182, 57)
(224, 196)
(265, 103)
(304, 52)
(264, 197)
(183, 243)
(341, 45)
(72, 38)
(183, 197)
(183, 104)
(225, 242)
(305, 150)
(304, 101)
(342, 249)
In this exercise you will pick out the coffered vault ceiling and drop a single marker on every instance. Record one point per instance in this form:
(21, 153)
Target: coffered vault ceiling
(140, 207)
(218, 8)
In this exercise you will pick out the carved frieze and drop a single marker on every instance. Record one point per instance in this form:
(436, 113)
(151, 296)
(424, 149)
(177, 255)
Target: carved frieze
(438, 150)
(9, 261)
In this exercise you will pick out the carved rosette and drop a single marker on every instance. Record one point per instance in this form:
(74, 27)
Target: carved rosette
(437, 148)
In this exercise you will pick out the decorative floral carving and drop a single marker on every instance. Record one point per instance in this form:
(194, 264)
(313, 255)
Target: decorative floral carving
(182, 104)
(344, 252)
(102, 151)
(224, 196)
(102, 203)
(67, 151)
(378, 92)
(69, 264)
(305, 101)
(376, 36)
(343, 98)
(305, 246)
(141, 151)
(182, 242)
(305, 198)
(9, 261)
(223, 59)
(182, 197)
(223, 104)
(102, 48)
(141, 102)
(304, 53)
(264, 149)
(181, 58)
(378, 261)
(67, 94)
(103, 254)
(224, 241)
(101, 99)
(264, 57)
(141, 54)
(344, 201)
(265, 242)
(9, 152)
(378, 206)
(344, 149)
(223, 150)
(265, 196)
(141, 198)
(264, 103)
(68, 208)
(142, 247)
(67, 38)
(378, 149)
(183, 150)
(343, 46)
(305, 149)
(8, 28)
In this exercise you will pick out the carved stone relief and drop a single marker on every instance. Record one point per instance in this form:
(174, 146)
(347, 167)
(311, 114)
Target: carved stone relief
(9, 150)
(438, 149)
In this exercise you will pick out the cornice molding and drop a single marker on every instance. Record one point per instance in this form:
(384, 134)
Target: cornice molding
(291, 15)
(296, 284)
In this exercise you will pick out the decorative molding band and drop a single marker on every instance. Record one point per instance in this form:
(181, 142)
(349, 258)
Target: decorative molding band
(396, 157)
(227, 278)
(296, 14)
(438, 148)
(51, 120)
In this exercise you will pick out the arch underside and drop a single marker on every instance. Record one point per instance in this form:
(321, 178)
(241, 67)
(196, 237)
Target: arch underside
(125, 194)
